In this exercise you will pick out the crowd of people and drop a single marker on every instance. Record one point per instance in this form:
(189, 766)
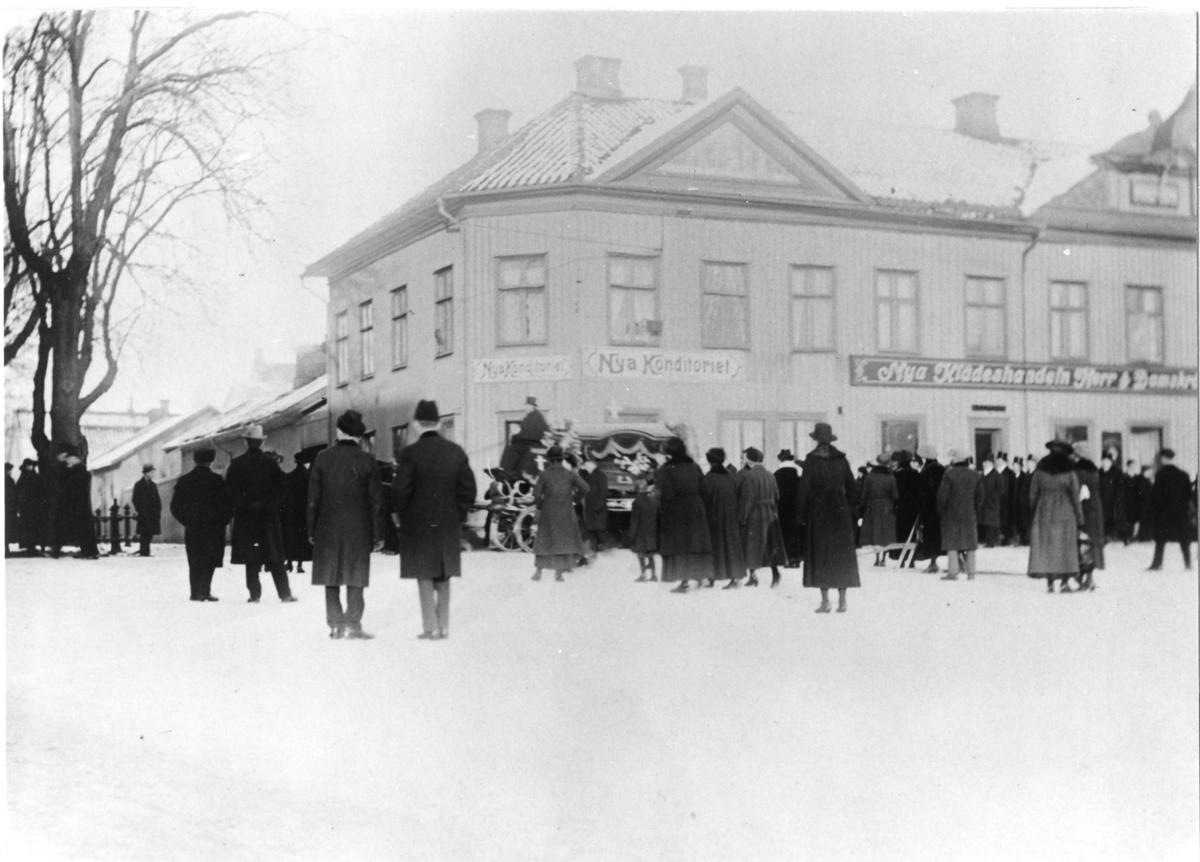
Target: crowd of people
(725, 523)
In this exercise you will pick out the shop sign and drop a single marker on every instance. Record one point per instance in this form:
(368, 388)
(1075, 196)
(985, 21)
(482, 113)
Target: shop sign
(519, 368)
(627, 363)
(950, 373)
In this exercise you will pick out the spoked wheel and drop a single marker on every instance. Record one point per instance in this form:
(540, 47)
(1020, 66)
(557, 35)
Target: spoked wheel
(505, 537)
(525, 530)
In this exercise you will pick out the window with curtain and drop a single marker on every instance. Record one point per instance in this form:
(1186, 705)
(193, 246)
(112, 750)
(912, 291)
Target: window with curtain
(522, 299)
(896, 312)
(1144, 323)
(400, 327)
(737, 435)
(724, 309)
(985, 317)
(1068, 320)
(633, 300)
(443, 311)
(812, 307)
(366, 331)
(341, 334)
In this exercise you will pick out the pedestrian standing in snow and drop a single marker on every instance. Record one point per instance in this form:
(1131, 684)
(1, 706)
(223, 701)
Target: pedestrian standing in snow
(1008, 510)
(297, 548)
(433, 491)
(1144, 493)
(1170, 500)
(959, 500)
(557, 544)
(1024, 509)
(201, 503)
(758, 515)
(345, 520)
(256, 484)
(1112, 498)
(595, 507)
(33, 504)
(787, 480)
(683, 539)
(908, 502)
(932, 471)
(148, 505)
(1057, 518)
(73, 521)
(824, 505)
(1093, 514)
(724, 529)
(877, 505)
(643, 527)
(993, 503)
(11, 518)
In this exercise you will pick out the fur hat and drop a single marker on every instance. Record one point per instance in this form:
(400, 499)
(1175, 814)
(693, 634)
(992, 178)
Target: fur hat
(823, 433)
(715, 455)
(351, 422)
(1167, 453)
(254, 432)
(1059, 446)
(427, 411)
(675, 447)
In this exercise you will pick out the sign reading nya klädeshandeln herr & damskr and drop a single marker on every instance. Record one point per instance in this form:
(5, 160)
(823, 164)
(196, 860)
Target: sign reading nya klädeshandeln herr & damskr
(953, 373)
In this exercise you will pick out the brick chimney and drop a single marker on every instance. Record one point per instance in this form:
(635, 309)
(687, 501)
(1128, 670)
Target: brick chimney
(493, 128)
(975, 116)
(598, 77)
(695, 83)
(161, 412)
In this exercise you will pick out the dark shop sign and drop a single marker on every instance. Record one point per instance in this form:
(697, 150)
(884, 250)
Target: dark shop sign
(953, 373)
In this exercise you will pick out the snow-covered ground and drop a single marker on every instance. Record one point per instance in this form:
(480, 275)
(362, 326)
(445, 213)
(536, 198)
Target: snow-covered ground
(602, 719)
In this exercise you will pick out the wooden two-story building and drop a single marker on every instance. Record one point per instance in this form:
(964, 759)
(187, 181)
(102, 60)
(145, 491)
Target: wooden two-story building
(745, 272)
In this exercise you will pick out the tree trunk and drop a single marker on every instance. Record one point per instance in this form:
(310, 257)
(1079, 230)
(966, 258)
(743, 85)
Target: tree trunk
(67, 370)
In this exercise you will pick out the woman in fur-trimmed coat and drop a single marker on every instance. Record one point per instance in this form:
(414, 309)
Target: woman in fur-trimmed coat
(683, 539)
(1057, 518)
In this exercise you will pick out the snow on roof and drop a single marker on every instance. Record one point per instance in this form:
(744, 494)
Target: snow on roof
(271, 411)
(1054, 178)
(151, 432)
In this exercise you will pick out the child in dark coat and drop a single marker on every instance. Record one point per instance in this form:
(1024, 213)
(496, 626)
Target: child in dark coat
(643, 528)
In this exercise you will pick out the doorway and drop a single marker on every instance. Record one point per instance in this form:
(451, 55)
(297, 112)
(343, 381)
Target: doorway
(1145, 442)
(988, 437)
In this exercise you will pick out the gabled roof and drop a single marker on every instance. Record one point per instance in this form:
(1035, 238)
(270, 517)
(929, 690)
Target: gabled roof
(1163, 144)
(270, 412)
(147, 436)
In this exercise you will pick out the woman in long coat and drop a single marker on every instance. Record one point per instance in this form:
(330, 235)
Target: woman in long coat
(1057, 518)
(787, 478)
(683, 538)
(959, 499)
(759, 517)
(1093, 509)
(877, 502)
(558, 543)
(721, 505)
(823, 505)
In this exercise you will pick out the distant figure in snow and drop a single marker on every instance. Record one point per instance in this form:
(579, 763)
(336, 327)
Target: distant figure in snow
(148, 504)
(256, 485)
(1170, 499)
(959, 499)
(758, 515)
(877, 505)
(930, 479)
(595, 506)
(724, 528)
(683, 539)
(33, 503)
(558, 543)
(993, 503)
(1093, 513)
(73, 521)
(297, 547)
(201, 503)
(824, 506)
(787, 479)
(643, 528)
(10, 509)
(1057, 518)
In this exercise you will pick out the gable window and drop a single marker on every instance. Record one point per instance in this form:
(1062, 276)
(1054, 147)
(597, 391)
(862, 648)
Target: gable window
(1068, 320)
(400, 327)
(443, 310)
(633, 300)
(812, 307)
(725, 316)
(1144, 323)
(366, 331)
(341, 335)
(896, 311)
(985, 318)
(522, 299)
(1153, 193)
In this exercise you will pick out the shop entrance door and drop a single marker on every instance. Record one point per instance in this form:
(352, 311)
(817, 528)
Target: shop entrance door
(989, 437)
(1145, 442)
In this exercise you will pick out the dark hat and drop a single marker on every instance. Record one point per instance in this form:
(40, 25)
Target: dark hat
(753, 454)
(715, 455)
(7, 466)
(823, 433)
(882, 458)
(1059, 446)
(554, 453)
(1167, 453)
(785, 455)
(427, 411)
(675, 446)
(902, 456)
(204, 455)
(28, 462)
(351, 422)
(146, 468)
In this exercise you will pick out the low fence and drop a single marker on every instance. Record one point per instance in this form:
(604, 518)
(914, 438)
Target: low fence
(115, 527)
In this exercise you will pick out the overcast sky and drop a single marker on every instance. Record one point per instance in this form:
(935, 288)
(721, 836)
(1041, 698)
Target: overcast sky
(385, 104)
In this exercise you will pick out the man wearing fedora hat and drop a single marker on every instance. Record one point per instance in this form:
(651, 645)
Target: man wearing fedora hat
(256, 485)
(149, 510)
(433, 490)
(345, 520)
(824, 508)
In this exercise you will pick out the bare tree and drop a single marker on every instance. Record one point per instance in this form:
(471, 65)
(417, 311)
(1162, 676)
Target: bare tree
(115, 123)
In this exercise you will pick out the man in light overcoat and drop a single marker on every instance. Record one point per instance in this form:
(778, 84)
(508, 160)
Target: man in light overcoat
(433, 490)
(345, 521)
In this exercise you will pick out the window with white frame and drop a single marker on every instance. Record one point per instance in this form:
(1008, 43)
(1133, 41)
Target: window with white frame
(1068, 320)
(341, 335)
(812, 308)
(896, 312)
(985, 317)
(633, 300)
(724, 310)
(522, 299)
(739, 434)
(443, 310)
(400, 327)
(1144, 323)
(366, 331)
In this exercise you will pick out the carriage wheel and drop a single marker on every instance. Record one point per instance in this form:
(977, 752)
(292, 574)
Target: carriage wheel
(525, 529)
(504, 535)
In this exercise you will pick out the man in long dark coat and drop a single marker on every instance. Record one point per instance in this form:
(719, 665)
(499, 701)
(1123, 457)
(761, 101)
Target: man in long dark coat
(10, 508)
(960, 498)
(33, 508)
(595, 505)
(1134, 494)
(758, 516)
(1170, 499)
(721, 507)
(1024, 507)
(433, 490)
(993, 503)
(824, 508)
(1112, 498)
(202, 505)
(787, 478)
(297, 548)
(148, 505)
(73, 519)
(1008, 511)
(345, 520)
(908, 501)
(930, 478)
(256, 485)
